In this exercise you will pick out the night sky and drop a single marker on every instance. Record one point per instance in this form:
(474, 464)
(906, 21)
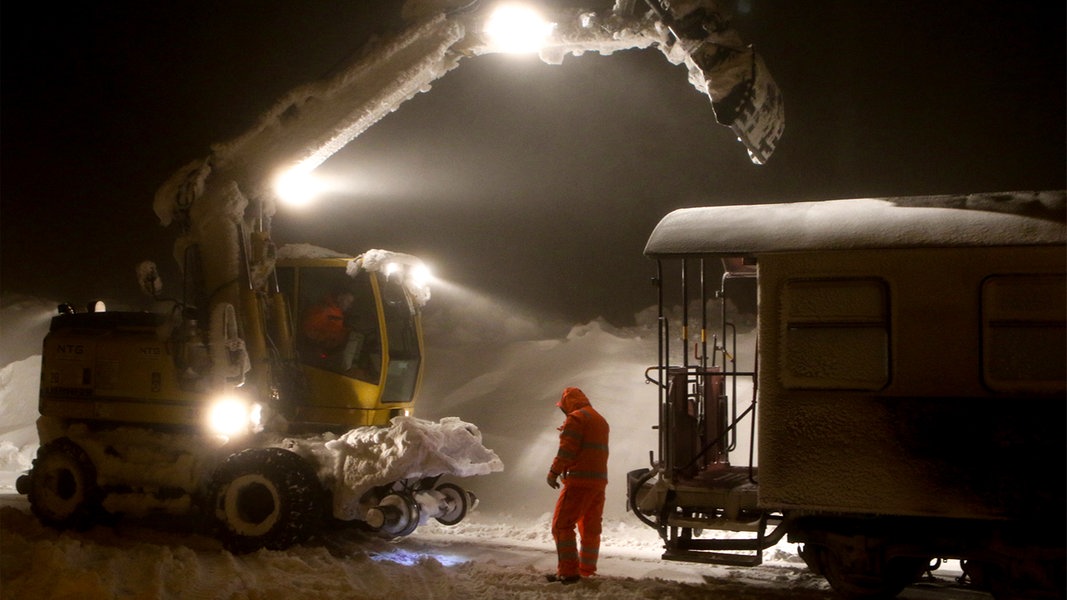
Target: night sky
(535, 184)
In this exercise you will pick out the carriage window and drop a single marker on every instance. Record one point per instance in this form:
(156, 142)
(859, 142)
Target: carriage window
(835, 334)
(1024, 333)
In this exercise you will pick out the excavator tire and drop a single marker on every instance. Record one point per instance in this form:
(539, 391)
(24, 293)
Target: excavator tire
(63, 492)
(265, 498)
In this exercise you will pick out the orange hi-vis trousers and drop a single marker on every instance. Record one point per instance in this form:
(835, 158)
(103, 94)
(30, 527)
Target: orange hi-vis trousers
(582, 507)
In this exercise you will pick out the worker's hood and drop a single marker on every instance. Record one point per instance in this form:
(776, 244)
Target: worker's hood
(573, 399)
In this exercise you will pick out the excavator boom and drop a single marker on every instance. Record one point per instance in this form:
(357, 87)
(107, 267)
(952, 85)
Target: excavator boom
(314, 121)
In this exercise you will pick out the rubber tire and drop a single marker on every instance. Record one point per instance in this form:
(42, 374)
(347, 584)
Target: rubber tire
(63, 490)
(265, 498)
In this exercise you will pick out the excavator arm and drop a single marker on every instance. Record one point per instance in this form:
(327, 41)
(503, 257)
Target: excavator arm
(224, 202)
(314, 121)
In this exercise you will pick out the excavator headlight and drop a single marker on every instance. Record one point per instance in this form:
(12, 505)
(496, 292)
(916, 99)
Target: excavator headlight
(230, 416)
(297, 186)
(420, 275)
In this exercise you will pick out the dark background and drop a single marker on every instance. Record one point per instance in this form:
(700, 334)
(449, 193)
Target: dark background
(535, 184)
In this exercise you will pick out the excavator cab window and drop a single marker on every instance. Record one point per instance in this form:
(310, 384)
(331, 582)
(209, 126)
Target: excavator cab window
(403, 371)
(337, 323)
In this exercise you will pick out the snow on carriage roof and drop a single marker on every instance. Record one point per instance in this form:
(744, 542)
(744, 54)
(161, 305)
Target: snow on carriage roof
(995, 219)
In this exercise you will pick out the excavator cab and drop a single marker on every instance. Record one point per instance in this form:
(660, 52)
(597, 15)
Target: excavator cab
(357, 340)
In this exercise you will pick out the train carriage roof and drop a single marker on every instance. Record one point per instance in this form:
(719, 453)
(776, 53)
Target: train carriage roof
(996, 219)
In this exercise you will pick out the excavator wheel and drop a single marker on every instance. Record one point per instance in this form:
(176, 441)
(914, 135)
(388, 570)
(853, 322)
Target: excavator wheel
(62, 488)
(265, 498)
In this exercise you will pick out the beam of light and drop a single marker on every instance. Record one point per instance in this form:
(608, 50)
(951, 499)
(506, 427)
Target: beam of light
(464, 314)
(515, 28)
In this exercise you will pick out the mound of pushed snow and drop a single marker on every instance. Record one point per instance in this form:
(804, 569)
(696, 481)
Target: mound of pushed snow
(19, 383)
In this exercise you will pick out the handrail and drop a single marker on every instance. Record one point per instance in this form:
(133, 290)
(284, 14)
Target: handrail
(649, 379)
(632, 496)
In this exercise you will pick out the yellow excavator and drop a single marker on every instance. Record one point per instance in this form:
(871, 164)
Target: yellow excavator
(265, 395)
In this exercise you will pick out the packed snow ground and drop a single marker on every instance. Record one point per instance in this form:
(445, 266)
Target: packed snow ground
(502, 373)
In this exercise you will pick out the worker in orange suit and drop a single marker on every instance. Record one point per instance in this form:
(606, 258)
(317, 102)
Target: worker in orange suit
(582, 462)
(324, 324)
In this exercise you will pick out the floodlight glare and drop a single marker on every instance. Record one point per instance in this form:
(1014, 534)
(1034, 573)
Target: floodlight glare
(297, 186)
(514, 28)
(420, 275)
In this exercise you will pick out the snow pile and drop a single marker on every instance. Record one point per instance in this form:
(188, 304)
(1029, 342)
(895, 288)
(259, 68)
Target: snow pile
(410, 448)
(18, 412)
(510, 390)
(413, 448)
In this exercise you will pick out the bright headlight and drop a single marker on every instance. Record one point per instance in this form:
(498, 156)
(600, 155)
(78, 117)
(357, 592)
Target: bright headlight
(297, 186)
(230, 416)
(420, 275)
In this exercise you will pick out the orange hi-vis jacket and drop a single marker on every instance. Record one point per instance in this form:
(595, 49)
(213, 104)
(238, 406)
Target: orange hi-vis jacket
(582, 457)
(324, 325)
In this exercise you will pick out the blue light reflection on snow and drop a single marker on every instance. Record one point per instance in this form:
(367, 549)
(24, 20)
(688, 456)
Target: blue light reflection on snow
(410, 558)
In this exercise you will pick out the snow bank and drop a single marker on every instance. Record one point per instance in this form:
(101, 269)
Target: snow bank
(19, 382)
(510, 389)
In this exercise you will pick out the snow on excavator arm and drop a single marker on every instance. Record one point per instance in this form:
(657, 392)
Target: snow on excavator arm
(314, 121)
(223, 201)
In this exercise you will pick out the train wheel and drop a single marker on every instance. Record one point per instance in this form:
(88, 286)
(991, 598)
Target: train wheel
(860, 580)
(63, 491)
(459, 501)
(396, 515)
(265, 498)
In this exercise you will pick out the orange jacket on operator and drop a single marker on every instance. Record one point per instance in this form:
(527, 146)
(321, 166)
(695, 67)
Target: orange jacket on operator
(324, 325)
(583, 443)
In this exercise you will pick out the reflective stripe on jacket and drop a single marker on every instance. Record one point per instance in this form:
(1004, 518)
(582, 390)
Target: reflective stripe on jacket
(582, 457)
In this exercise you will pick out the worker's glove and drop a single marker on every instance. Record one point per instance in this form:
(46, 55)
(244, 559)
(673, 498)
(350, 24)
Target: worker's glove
(552, 480)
